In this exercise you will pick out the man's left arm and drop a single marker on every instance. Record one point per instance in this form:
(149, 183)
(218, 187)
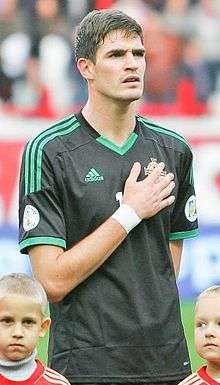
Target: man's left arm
(176, 248)
(184, 222)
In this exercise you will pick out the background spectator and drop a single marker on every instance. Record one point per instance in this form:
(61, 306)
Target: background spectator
(182, 44)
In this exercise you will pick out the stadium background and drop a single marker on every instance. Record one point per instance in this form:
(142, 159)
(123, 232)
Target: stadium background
(39, 84)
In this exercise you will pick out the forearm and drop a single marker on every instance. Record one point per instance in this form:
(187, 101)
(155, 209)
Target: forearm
(61, 271)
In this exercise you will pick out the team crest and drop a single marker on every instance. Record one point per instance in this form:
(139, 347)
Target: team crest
(31, 218)
(190, 209)
(151, 166)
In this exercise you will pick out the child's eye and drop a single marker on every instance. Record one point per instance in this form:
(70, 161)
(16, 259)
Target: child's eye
(6, 320)
(29, 321)
(200, 324)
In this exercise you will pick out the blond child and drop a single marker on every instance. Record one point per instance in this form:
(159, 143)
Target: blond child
(23, 319)
(207, 338)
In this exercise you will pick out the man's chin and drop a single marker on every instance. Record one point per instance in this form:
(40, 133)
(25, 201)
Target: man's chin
(130, 98)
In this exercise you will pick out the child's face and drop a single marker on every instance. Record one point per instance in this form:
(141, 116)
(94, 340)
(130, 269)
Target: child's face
(207, 328)
(21, 323)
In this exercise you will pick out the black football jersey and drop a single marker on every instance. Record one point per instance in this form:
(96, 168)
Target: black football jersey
(123, 322)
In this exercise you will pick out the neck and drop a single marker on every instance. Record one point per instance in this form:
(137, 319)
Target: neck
(18, 370)
(115, 121)
(213, 370)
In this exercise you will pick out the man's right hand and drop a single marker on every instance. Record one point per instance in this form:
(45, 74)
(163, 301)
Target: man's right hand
(62, 270)
(152, 194)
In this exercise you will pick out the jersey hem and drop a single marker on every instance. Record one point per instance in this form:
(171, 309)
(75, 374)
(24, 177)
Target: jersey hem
(41, 241)
(126, 379)
(183, 234)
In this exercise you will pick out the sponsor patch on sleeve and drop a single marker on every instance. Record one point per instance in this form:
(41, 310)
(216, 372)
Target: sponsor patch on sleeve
(190, 209)
(31, 218)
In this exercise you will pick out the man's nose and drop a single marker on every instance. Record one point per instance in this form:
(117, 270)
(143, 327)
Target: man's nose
(131, 60)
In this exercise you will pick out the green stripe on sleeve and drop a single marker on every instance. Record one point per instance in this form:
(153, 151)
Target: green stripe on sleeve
(51, 134)
(42, 241)
(39, 155)
(34, 151)
(163, 130)
(183, 234)
(31, 144)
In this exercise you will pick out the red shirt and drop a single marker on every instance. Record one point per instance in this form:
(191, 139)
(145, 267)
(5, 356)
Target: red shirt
(41, 376)
(200, 377)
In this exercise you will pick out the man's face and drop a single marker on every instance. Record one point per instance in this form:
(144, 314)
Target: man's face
(207, 328)
(119, 70)
(21, 324)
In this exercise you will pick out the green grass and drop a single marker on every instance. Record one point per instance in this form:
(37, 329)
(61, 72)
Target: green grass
(42, 348)
(187, 310)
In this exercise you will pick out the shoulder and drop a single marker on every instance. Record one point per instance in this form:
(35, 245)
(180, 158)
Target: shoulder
(169, 138)
(54, 377)
(53, 133)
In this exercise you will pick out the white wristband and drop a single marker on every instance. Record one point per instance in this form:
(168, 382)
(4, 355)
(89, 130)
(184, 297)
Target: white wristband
(127, 217)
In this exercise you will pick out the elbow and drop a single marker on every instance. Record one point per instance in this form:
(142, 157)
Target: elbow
(55, 298)
(55, 291)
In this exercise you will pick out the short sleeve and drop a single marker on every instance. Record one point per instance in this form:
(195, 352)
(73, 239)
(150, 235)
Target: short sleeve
(41, 219)
(184, 222)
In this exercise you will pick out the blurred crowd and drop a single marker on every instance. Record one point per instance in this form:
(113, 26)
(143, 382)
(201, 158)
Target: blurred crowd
(38, 75)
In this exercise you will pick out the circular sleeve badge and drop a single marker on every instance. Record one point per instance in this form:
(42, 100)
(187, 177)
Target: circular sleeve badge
(31, 218)
(190, 209)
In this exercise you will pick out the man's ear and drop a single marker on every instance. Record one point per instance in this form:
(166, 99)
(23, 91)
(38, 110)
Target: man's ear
(86, 68)
(45, 324)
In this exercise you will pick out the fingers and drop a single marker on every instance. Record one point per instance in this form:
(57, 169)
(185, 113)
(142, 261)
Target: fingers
(135, 172)
(154, 176)
(152, 194)
(166, 202)
(165, 189)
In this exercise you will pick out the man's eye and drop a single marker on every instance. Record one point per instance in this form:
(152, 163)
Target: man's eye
(116, 54)
(139, 53)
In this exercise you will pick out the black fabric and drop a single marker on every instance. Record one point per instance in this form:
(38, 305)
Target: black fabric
(123, 323)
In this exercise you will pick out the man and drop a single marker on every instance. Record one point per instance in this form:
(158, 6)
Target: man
(106, 199)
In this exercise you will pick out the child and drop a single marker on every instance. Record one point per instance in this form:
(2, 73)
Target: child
(23, 319)
(207, 338)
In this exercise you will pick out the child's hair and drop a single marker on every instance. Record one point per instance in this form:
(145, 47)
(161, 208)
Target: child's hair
(22, 284)
(209, 292)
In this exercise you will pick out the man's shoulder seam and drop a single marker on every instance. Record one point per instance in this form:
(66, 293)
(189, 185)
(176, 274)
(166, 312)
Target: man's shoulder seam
(160, 129)
(59, 127)
(34, 150)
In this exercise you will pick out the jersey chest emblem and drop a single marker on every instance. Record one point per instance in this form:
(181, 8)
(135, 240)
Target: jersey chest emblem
(151, 166)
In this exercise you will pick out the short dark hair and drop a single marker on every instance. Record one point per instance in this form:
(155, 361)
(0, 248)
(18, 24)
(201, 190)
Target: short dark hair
(92, 30)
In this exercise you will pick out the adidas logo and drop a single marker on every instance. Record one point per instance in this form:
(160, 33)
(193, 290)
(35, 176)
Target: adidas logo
(93, 176)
